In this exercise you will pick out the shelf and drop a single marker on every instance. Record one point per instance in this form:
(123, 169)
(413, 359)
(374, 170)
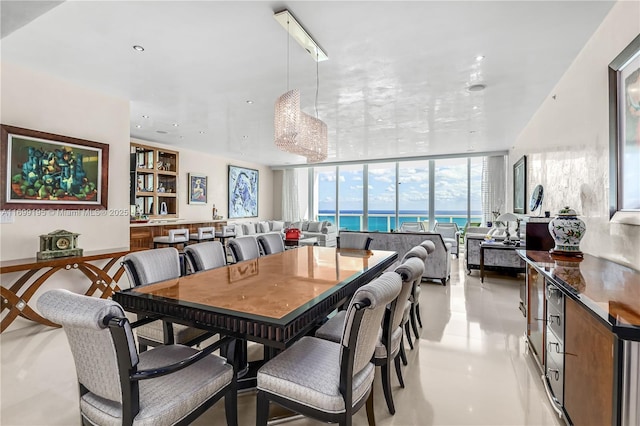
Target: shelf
(162, 172)
(153, 169)
(167, 194)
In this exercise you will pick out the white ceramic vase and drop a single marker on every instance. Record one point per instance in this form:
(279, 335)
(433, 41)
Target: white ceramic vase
(567, 230)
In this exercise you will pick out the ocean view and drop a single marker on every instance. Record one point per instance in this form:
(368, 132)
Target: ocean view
(385, 220)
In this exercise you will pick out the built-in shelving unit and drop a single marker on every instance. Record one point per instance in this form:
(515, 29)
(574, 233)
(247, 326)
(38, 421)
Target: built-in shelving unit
(154, 181)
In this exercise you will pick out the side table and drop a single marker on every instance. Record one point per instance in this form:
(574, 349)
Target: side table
(500, 257)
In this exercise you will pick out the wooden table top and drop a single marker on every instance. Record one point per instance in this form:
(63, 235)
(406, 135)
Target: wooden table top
(273, 286)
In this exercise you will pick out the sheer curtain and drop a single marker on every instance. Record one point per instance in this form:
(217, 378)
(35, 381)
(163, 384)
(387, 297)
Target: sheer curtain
(290, 204)
(494, 186)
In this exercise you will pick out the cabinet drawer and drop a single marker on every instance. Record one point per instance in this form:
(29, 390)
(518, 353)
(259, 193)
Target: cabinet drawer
(555, 322)
(555, 376)
(555, 349)
(555, 298)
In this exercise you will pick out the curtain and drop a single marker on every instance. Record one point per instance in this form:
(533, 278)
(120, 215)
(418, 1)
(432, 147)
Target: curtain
(494, 186)
(290, 204)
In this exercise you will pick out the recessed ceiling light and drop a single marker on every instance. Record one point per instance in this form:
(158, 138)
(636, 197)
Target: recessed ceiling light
(476, 87)
(249, 101)
(472, 131)
(475, 107)
(245, 137)
(145, 116)
(479, 57)
(201, 132)
(138, 126)
(379, 120)
(175, 124)
(138, 48)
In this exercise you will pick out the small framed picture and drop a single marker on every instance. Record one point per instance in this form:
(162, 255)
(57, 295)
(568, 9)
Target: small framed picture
(197, 188)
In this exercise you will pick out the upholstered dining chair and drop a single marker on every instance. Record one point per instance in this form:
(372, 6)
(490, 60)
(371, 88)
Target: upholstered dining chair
(150, 266)
(175, 237)
(389, 346)
(271, 243)
(204, 233)
(413, 313)
(204, 256)
(326, 380)
(168, 385)
(244, 248)
(354, 240)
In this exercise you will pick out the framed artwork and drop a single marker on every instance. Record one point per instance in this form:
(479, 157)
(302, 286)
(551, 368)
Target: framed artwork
(520, 185)
(243, 192)
(197, 188)
(47, 171)
(624, 130)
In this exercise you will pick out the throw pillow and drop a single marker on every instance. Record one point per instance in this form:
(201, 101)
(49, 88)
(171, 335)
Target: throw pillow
(249, 228)
(315, 226)
(237, 228)
(277, 225)
(305, 226)
(264, 227)
(296, 225)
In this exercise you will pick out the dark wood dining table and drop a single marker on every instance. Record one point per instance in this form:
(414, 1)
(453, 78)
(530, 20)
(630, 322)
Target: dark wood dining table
(273, 300)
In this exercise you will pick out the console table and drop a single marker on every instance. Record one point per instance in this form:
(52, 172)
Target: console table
(16, 296)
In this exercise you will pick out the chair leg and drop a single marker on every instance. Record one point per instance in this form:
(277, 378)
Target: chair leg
(403, 354)
(412, 317)
(408, 333)
(386, 387)
(262, 409)
(418, 314)
(231, 403)
(399, 371)
(371, 415)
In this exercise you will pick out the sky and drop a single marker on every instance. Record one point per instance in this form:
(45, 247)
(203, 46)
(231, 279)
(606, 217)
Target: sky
(450, 186)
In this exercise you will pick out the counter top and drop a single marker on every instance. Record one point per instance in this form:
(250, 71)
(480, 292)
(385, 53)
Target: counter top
(611, 292)
(172, 221)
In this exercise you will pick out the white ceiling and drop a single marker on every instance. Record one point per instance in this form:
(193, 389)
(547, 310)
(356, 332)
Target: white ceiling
(394, 85)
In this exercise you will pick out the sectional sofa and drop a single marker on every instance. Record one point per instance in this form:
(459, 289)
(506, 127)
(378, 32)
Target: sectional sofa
(324, 231)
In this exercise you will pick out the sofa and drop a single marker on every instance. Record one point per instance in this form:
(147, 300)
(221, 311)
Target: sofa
(438, 264)
(324, 231)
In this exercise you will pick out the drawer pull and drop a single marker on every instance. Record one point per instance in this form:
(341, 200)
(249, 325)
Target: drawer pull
(557, 319)
(555, 372)
(557, 345)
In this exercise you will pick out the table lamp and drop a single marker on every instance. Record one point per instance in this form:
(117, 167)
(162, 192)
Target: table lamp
(506, 218)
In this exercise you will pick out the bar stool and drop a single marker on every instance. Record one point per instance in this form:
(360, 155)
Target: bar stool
(175, 237)
(204, 233)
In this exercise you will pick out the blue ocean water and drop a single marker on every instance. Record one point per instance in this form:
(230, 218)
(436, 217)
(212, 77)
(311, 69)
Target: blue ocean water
(384, 220)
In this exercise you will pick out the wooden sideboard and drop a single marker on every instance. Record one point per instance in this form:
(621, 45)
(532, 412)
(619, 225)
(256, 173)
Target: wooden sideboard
(141, 234)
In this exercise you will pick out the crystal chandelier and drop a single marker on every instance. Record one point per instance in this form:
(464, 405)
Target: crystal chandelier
(294, 131)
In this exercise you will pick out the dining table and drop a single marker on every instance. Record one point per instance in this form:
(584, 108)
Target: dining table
(272, 300)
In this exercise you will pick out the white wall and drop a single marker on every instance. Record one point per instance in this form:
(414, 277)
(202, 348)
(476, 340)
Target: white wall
(40, 102)
(216, 169)
(567, 141)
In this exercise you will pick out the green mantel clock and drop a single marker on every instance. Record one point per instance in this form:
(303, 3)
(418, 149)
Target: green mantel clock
(58, 243)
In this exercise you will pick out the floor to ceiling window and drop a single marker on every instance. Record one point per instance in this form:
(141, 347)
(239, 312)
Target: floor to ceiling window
(381, 201)
(381, 196)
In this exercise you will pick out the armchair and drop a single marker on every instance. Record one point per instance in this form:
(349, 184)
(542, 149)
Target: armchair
(450, 233)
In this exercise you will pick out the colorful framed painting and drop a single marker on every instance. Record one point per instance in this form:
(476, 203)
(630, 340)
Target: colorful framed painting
(47, 171)
(520, 185)
(197, 189)
(243, 192)
(624, 130)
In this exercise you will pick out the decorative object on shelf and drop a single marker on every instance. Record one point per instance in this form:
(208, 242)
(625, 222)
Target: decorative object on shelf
(520, 185)
(536, 199)
(163, 208)
(47, 171)
(58, 243)
(624, 130)
(198, 189)
(506, 219)
(161, 187)
(243, 192)
(297, 132)
(567, 230)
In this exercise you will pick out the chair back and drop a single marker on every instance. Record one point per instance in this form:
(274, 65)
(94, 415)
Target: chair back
(150, 266)
(206, 232)
(85, 321)
(410, 271)
(178, 235)
(204, 256)
(271, 243)
(244, 248)
(227, 231)
(429, 246)
(417, 251)
(362, 327)
(355, 240)
(411, 227)
(446, 229)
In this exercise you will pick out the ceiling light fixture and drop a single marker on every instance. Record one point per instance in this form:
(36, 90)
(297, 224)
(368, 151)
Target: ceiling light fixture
(249, 101)
(294, 131)
(138, 48)
(145, 116)
(175, 124)
(476, 87)
(138, 126)
(479, 58)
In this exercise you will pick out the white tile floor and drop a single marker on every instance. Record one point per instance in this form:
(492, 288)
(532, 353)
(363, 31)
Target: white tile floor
(470, 367)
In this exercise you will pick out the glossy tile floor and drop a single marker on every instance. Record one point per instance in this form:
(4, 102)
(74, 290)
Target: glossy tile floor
(469, 367)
